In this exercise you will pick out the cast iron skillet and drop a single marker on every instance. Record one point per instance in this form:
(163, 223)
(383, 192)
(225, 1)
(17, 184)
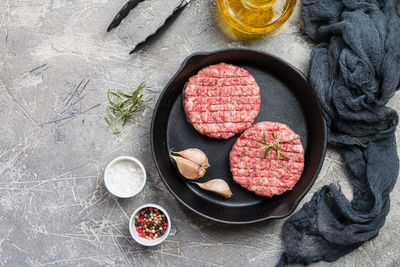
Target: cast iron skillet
(286, 97)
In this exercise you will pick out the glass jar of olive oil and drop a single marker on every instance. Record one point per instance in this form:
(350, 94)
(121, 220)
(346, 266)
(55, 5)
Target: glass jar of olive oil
(256, 16)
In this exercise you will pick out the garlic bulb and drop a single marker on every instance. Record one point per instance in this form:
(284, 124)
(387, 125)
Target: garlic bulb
(196, 155)
(192, 163)
(218, 186)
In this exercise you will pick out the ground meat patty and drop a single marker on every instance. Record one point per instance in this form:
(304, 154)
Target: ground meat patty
(267, 176)
(222, 100)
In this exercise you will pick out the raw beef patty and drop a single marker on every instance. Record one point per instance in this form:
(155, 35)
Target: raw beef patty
(222, 100)
(267, 176)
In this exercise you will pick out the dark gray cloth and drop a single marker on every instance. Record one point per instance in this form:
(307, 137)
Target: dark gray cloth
(355, 70)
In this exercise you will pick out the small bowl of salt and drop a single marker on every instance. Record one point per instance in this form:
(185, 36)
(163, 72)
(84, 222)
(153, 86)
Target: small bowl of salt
(125, 177)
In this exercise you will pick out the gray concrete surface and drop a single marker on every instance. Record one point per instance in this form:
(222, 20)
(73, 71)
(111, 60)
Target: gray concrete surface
(54, 144)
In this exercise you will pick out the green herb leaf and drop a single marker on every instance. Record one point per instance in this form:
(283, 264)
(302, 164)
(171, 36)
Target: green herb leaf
(260, 142)
(266, 151)
(284, 156)
(123, 107)
(108, 121)
(275, 146)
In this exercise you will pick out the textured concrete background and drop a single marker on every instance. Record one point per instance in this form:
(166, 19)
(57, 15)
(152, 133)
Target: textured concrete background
(54, 143)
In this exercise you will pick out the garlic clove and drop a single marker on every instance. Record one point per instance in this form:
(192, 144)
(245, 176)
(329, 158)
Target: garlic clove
(196, 155)
(218, 186)
(189, 169)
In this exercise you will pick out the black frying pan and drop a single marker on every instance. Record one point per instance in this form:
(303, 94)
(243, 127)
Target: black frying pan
(286, 97)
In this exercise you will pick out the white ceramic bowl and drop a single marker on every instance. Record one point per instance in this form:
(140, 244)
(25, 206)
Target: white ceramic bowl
(107, 177)
(141, 240)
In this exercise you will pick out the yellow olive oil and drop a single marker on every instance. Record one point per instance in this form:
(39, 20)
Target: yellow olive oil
(256, 16)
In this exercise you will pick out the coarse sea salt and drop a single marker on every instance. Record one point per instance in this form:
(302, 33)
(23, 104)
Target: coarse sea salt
(125, 178)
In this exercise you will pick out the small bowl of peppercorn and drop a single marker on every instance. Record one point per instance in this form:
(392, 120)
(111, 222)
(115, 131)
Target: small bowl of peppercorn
(149, 225)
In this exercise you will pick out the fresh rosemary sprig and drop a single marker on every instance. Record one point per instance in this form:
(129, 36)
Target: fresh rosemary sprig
(275, 146)
(123, 106)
